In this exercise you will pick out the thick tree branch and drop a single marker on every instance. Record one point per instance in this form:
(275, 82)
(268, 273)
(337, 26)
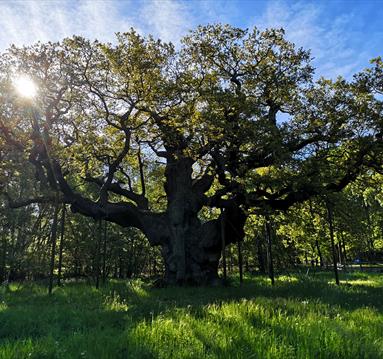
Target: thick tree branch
(114, 166)
(141, 167)
(28, 201)
(139, 199)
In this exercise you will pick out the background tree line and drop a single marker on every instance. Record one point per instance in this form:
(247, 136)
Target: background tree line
(99, 250)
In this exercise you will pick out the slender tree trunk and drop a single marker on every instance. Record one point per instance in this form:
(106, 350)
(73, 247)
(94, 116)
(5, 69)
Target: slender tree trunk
(313, 229)
(344, 249)
(61, 247)
(53, 244)
(98, 250)
(319, 253)
(12, 256)
(339, 246)
(150, 267)
(370, 238)
(104, 252)
(269, 250)
(331, 228)
(120, 267)
(77, 260)
(154, 266)
(237, 238)
(231, 260)
(115, 273)
(261, 259)
(240, 262)
(3, 267)
(223, 237)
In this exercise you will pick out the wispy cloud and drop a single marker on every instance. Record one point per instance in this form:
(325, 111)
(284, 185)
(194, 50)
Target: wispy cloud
(168, 20)
(29, 21)
(337, 47)
(25, 22)
(309, 26)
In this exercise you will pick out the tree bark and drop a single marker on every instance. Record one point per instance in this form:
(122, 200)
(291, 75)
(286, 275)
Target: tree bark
(190, 248)
(196, 259)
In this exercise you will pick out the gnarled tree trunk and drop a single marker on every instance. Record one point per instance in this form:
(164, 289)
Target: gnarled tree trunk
(191, 249)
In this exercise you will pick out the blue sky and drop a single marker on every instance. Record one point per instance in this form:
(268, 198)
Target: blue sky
(343, 35)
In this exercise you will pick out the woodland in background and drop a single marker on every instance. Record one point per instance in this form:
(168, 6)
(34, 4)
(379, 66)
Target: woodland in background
(98, 250)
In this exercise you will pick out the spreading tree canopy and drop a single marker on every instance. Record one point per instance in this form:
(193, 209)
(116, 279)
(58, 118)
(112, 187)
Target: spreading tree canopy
(183, 143)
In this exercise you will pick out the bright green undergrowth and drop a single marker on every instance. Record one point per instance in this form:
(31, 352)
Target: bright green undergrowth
(300, 317)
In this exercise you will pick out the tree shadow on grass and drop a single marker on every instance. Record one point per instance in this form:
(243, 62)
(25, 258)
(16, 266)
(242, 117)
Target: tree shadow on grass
(78, 313)
(316, 288)
(285, 341)
(77, 321)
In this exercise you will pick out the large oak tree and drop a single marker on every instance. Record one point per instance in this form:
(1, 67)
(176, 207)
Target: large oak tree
(149, 136)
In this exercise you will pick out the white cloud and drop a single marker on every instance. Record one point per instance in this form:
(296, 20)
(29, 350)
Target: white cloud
(170, 20)
(29, 21)
(26, 22)
(309, 26)
(166, 19)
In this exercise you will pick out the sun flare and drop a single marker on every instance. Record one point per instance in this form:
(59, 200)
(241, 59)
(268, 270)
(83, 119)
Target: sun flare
(25, 86)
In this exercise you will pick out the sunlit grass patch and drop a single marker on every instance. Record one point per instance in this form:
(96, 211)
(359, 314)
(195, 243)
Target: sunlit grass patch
(287, 278)
(361, 282)
(115, 302)
(3, 306)
(300, 317)
(257, 328)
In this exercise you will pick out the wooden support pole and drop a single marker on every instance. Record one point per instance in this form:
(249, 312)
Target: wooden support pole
(104, 252)
(269, 249)
(223, 238)
(53, 245)
(61, 248)
(331, 228)
(240, 261)
(98, 250)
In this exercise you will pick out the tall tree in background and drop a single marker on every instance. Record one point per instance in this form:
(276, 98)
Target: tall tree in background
(146, 136)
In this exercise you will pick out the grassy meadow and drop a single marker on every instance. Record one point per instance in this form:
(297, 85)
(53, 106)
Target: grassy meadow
(300, 317)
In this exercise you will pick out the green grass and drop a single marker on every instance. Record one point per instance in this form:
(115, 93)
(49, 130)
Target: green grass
(300, 317)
